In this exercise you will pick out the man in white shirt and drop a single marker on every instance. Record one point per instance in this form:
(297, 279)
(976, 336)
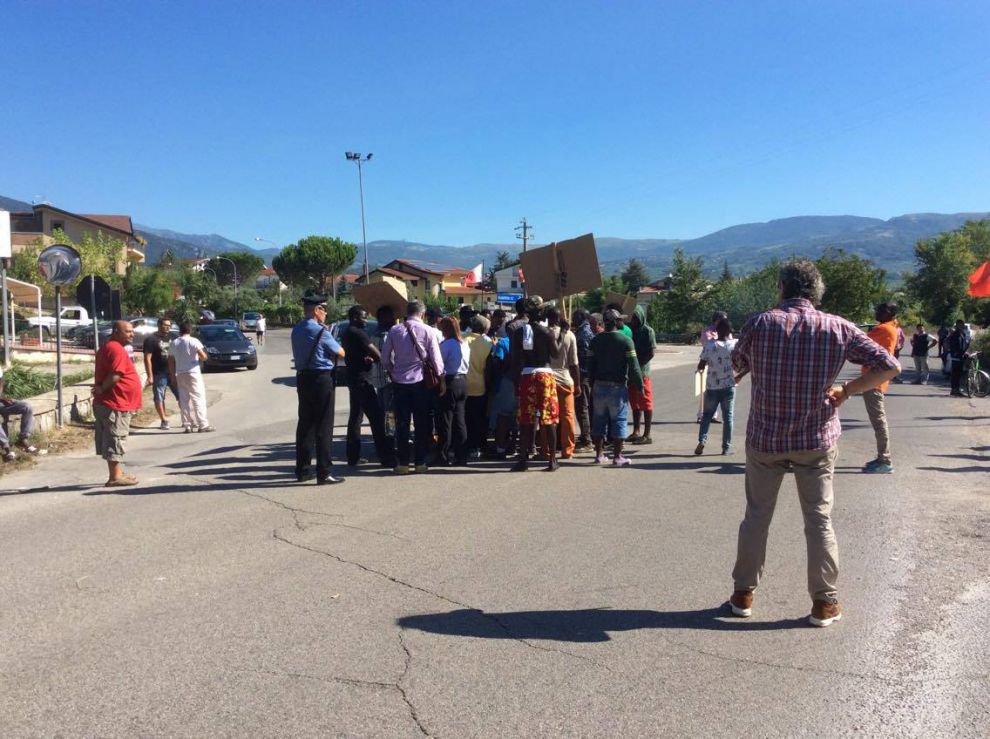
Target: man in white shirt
(259, 329)
(183, 365)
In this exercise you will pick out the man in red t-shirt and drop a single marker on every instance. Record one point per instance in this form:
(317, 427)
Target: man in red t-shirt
(116, 398)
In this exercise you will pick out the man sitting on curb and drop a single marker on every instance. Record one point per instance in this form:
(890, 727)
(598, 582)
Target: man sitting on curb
(10, 407)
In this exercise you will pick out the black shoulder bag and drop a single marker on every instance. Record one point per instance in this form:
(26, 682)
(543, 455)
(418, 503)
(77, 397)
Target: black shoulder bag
(431, 381)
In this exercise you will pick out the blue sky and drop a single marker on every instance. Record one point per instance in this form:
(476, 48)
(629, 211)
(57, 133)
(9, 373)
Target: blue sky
(629, 119)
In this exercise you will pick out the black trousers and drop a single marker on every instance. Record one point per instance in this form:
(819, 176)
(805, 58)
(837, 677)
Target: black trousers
(583, 411)
(314, 390)
(476, 410)
(956, 374)
(364, 401)
(452, 423)
(412, 402)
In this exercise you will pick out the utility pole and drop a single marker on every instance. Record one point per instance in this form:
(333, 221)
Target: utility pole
(524, 236)
(525, 228)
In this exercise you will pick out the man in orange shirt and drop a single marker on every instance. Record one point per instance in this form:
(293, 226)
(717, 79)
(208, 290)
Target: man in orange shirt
(885, 333)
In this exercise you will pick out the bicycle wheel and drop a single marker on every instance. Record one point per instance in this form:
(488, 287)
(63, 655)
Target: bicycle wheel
(980, 384)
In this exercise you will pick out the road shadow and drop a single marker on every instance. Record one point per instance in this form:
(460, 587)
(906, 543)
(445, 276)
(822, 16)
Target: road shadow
(972, 468)
(289, 381)
(974, 457)
(583, 625)
(706, 467)
(951, 418)
(198, 487)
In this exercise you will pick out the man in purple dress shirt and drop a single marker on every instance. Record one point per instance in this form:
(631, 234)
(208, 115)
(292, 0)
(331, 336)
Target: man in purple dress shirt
(794, 353)
(410, 345)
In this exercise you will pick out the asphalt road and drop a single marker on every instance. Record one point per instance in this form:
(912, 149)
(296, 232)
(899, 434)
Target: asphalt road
(222, 598)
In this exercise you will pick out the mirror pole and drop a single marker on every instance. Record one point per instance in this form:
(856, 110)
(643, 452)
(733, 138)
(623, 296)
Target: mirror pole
(58, 355)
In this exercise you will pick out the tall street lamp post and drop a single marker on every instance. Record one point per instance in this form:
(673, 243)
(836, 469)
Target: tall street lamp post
(356, 157)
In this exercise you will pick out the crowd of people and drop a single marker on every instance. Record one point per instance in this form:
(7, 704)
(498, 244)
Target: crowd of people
(479, 385)
(450, 390)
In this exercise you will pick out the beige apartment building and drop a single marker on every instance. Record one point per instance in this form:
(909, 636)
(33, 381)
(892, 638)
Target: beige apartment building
(44, 219)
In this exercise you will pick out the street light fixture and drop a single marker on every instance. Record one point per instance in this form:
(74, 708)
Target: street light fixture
(353, 156)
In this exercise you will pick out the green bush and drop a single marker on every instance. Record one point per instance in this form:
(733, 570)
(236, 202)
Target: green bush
(981, 344)
(23, 381)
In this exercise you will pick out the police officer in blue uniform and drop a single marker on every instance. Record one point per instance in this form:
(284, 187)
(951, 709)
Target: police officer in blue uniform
(315, 352)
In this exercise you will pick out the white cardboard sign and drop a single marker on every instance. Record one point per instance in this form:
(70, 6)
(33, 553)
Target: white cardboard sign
(5, 248)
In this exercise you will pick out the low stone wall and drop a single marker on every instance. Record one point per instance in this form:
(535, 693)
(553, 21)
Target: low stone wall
(77, 404)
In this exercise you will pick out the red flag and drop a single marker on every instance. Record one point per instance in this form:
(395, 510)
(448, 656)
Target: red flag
(979, 281)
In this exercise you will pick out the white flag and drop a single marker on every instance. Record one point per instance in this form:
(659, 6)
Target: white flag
(475, 277)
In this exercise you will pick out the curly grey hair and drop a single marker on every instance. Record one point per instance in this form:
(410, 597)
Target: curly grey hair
(800, 278)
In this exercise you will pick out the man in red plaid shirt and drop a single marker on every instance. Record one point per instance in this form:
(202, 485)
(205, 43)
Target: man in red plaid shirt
(794, 353)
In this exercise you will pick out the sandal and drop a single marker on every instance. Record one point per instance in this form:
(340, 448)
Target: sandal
(642, 440)
(122, 482)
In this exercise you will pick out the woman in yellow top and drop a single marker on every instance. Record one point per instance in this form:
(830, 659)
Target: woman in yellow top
(477, 390)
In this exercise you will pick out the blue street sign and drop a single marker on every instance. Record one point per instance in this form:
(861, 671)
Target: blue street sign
(507, 297)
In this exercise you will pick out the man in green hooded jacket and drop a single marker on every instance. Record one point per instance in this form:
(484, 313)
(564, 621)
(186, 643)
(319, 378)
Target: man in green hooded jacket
(641, 402)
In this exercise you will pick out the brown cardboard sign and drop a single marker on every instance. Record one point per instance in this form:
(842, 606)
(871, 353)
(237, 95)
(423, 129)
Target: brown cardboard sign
(374, 296)
(562, 268)
(626, 302)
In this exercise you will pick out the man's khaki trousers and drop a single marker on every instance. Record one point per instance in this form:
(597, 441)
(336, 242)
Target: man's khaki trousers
(873, 399)
(813, 472)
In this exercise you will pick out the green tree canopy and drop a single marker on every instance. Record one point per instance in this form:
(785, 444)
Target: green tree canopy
(944, 265)
(147, 292)
(315, 262)
(635, 276)
(688, 302)
(594, 300)
(853, 285)
(248, 267)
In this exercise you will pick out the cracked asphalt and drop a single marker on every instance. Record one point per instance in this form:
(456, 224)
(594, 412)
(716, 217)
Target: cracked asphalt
(221, 598)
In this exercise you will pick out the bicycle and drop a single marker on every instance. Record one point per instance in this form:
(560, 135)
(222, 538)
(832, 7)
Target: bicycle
(975, 380)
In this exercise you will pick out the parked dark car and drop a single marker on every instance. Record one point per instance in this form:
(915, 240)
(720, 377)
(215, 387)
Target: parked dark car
(226, 346)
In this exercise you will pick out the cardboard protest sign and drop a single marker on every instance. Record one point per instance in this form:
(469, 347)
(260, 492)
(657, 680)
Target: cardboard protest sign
(377, 294)
(700, 382)
(626, 303)
(562, 268)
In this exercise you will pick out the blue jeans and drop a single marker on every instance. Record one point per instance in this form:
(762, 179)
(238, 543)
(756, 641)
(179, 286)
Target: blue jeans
(610, 410)
(726, 398)
(162, 383)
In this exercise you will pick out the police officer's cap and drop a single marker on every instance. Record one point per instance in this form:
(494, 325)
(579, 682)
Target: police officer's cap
(312, 301)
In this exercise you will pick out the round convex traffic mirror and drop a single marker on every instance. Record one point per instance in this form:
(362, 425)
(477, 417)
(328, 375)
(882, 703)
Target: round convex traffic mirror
(59, 264)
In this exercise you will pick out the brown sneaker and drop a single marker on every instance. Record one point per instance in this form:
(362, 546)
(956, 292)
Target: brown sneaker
(742, 603)
(824, 613)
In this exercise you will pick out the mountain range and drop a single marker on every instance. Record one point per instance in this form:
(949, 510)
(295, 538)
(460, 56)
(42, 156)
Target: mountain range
(746, 247)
